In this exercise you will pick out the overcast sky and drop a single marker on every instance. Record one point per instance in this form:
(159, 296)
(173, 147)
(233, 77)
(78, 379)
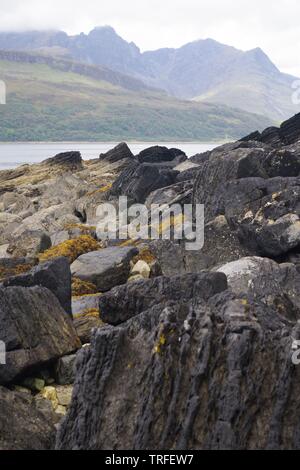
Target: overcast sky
(151, 24)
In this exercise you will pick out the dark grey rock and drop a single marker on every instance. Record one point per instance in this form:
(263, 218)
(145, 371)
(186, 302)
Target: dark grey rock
(159, 154)
(106, 268)
(35, 329)
(129, 300)
(138, 181)
(192, 375)
(120, 152)
(22, 425)
(65, 370)
(54, 274)
(221, 245)
(272, 283)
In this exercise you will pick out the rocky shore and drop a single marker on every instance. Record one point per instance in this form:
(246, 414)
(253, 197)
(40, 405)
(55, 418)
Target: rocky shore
(143, 344)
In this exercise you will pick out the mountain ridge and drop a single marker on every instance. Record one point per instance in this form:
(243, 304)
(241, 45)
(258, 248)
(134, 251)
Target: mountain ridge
(53, 99)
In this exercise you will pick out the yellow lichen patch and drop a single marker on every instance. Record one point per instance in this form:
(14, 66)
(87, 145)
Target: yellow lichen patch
(159, 344)
(91, 312)
(144, 255)
(85, 229)
(71, 249)
(103, 189)
(6, 272)
(80, 288)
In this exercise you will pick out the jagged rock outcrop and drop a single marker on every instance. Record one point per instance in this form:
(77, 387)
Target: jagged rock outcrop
(55, 275)
(287, 133)
(119, 152)
(214, 374)
(35, 329)
(71, 160)
(22, 425)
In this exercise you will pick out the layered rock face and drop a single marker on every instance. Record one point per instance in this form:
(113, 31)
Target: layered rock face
(35, 330)
(213, 374)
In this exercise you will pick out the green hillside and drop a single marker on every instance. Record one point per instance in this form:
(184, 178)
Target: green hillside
(45, 103)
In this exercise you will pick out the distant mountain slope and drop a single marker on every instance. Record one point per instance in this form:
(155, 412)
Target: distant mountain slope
(203, 70)
(54, 99)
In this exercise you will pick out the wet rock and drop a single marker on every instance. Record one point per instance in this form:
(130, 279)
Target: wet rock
(22, 425)
(54, 274)
(126, 301)
(106, 268)
(35, 329)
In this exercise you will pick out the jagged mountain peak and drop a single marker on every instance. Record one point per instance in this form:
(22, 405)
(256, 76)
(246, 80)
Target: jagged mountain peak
(204, 69)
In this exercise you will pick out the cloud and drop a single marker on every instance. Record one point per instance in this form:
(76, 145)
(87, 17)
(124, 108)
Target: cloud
(152, 24)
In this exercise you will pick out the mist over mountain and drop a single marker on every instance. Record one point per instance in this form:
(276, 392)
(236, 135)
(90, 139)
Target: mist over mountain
(203, 70)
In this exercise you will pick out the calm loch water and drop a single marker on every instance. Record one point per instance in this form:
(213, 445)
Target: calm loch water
(15, 154)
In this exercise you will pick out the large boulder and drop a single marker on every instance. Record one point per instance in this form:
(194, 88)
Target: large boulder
(106, 268)
(54, 274)
(35, 329)
(221, 245)
(22, 425)
(159, 154)
(126, 301)
(264, 213)
(215, 374)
